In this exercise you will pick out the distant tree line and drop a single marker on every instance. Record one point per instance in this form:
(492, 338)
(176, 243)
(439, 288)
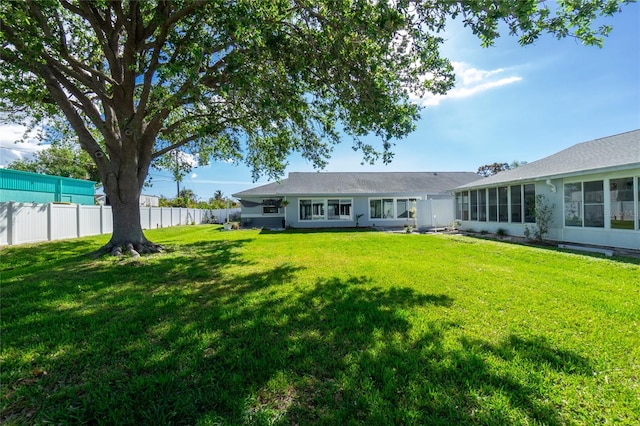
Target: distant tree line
(187, 198)
(495, 168)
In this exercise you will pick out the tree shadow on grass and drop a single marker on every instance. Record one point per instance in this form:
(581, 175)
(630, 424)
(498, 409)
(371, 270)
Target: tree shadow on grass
(45, 255)
(259, 347)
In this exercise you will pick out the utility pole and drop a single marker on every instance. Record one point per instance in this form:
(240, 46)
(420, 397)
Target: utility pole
(176, 175)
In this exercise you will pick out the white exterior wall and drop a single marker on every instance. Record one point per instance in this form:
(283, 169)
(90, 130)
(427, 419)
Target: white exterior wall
(429, 213)
(605, 236)
(22, 223)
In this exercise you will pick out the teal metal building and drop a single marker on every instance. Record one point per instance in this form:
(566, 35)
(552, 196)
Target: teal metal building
(27, 187)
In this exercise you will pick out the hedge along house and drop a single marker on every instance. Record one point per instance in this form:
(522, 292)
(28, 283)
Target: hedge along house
(594, 188)
(322, 200)
(27, 187)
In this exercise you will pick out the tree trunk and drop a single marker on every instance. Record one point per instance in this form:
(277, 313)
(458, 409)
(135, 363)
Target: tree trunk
(127, 230)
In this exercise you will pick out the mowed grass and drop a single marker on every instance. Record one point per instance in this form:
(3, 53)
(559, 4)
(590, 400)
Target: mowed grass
(250, 327)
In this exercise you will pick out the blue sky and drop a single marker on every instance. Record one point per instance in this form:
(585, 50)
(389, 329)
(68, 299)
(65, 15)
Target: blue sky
(510, 103)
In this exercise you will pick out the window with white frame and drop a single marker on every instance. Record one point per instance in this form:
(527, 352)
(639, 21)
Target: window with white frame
(482, 205)
(474, 204)
(594, 204)
(503, 204)
(325, 209)
(573, 204)
(458, 205)
(406, 208)
(493, 204)
(465, 205)
(529, 198)
(516, 203)
(339, 209)
(392, 208)
(584, 204)
(621, 203)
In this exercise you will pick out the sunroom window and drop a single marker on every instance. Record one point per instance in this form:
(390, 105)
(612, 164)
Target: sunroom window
(573, 204)
(503, 204)
(516, 203)
(493, 205)
(594, 204)
(621, 199)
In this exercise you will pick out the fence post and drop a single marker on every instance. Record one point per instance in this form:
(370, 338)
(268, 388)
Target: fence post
(10, 227)
(49, 221)
(101, 219)
(78, 215)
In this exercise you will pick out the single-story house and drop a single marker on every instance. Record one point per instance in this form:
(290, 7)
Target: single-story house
(322, 199)
(593, 188)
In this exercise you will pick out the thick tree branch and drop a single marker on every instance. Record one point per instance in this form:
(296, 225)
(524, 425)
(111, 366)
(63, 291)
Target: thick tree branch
(87, 141)
(101, 29)
(173, 146)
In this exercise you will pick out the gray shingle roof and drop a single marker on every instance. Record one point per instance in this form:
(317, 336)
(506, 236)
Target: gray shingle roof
(365, 183)
(612, 152)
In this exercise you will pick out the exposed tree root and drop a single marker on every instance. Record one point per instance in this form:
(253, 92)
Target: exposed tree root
(134, 249)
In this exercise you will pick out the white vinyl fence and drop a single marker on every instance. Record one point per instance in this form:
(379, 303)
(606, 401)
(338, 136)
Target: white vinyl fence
(22, 223)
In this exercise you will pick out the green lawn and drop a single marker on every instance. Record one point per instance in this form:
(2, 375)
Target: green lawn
(370, 328)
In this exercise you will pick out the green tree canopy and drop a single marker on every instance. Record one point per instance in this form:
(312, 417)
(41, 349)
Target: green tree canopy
(244, 81)
(492, 169)
(60, 160)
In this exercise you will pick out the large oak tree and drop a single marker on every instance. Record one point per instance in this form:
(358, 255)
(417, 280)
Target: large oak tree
(247, 81)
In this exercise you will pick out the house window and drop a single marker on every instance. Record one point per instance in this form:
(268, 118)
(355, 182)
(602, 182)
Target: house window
(530, 203)
(323, 209)
(459, 205)
(305, 209)
(503, 204)
(516, 203)
(482, 205)
(573, 204)
(594, 204)
(339, 209)
(381, 208)
(638, 210)
(406, 208)
(493, 205)
(269, 210)
(474, 205)
(387, 208)
(375, 209)
(465, 205)
(621, 200)
(392, 208)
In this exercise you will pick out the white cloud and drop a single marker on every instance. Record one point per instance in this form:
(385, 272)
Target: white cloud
(228, 182)
(194, 175)
(187, 158)
(469, 82)
(11, 151)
